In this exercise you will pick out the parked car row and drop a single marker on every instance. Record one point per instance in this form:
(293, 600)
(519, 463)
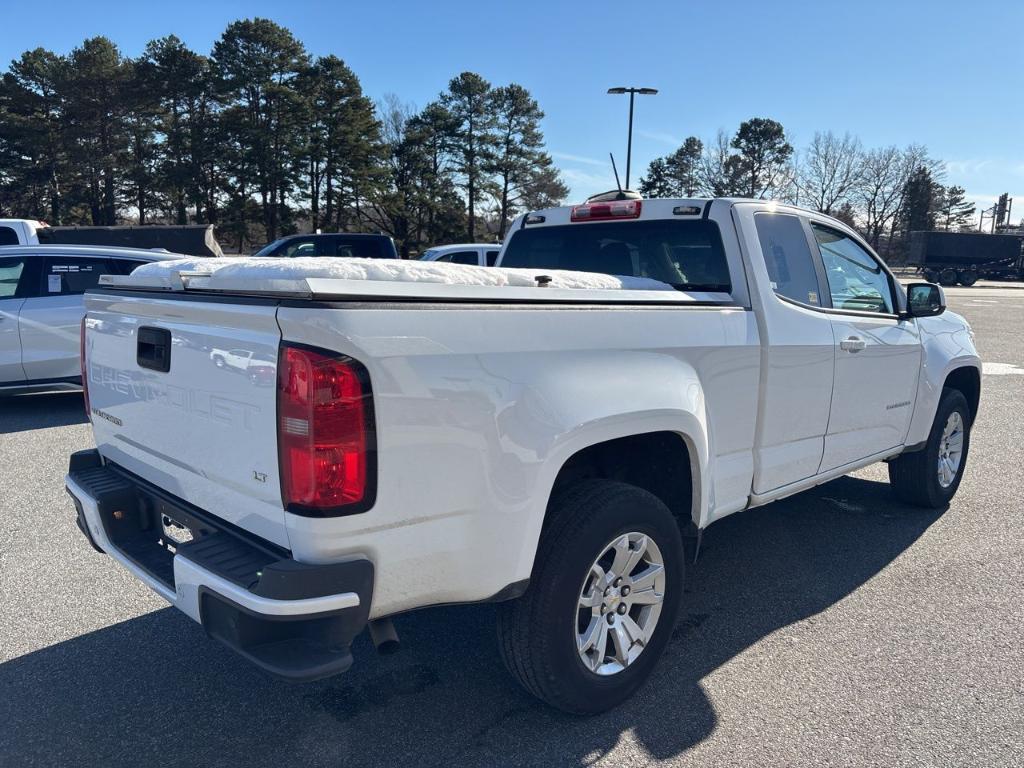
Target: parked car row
(42, 283)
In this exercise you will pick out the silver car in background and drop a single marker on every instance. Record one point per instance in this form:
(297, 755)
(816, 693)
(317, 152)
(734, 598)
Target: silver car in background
(41, 308)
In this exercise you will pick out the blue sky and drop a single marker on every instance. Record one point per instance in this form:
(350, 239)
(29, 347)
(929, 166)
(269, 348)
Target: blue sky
(945, 74)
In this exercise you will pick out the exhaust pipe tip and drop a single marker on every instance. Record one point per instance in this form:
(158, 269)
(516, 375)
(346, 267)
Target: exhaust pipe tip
(384, 637)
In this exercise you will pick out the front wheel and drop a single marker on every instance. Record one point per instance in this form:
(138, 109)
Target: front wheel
(602, 601)
(930, 477)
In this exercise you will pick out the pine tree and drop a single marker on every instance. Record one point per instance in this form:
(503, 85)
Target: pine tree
(954, 210)
(683, 166)
(468, 100)
(256, 63)
(524, 171)
(920, 200)
(658, 181)
(763, 156)
(33, 158)
(94, 84)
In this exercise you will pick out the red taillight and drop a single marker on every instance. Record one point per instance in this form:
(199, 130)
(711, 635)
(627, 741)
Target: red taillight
(325, 433)
(85, 372)
(615, 209)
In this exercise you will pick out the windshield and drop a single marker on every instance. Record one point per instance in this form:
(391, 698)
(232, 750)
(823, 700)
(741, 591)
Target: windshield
(687, 255)
(428, 254)
(266, 250)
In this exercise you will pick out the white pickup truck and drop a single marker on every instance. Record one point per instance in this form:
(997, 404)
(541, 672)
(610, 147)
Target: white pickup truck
(532, 436)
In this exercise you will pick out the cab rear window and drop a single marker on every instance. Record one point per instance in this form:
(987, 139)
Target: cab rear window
(685, 254)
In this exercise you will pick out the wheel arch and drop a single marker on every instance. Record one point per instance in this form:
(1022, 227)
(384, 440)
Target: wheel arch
(588, 453)
(967, 380)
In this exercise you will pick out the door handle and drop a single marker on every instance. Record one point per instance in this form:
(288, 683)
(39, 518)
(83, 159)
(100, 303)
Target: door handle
(853, 344)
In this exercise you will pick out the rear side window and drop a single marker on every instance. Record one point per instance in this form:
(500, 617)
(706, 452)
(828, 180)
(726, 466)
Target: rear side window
(461, 257)
(10, 274)
(492, 258)
(357, 247)
(8, 236)
(686, 254)
(787, 255)
(69, 276)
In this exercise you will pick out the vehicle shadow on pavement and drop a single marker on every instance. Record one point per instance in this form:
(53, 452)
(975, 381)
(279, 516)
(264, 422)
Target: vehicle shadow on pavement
(155, 690)
(21, 413)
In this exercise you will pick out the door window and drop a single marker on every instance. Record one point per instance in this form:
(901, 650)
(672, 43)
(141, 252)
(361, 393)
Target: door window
(856, 281)
(68, 276)
(787, 255)
(464, 257)
(492, 258)
(10, 275)
(297, 248)
(8, 236)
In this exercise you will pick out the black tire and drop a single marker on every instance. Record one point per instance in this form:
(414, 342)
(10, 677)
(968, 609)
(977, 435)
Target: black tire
(219, 362)
(930, 275)
(967, 277)
(947, 277)
(535, 632)
(914, 476)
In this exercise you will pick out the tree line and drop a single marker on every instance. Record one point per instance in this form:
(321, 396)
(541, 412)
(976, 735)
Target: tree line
(885, 193)
(263, 140)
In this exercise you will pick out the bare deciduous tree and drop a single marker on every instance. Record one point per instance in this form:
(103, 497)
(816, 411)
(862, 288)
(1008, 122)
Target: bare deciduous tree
(830, 171)
(717, 177)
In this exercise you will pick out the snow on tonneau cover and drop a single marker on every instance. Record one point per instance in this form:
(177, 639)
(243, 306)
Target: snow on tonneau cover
(373, 277)
(205, 430)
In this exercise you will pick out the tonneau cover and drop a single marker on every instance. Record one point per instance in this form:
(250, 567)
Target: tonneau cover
(385, 278)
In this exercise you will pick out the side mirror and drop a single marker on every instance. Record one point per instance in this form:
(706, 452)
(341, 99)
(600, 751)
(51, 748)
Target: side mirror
(925, 300)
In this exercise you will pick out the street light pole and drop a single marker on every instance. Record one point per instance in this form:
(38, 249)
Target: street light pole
(629, 142)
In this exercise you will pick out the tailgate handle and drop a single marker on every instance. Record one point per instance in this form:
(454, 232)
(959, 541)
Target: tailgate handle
(154, 349)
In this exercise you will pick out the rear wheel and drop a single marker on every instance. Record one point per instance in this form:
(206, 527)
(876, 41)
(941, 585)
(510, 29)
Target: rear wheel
(947, 277)
(930, 477)
(602, 602)
(967, 277)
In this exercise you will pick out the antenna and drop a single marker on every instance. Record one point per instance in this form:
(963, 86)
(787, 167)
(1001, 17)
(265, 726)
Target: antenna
(616, 171)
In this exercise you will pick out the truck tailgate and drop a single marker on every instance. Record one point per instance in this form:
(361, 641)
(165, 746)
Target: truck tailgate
(183, 394)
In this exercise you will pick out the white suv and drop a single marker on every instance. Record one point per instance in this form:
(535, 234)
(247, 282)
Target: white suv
(41, 307)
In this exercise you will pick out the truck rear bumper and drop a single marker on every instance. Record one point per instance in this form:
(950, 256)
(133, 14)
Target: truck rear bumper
(292, 619)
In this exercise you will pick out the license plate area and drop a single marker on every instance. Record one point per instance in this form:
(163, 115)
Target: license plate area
(174, 525)
(151, 531)
(174, 533)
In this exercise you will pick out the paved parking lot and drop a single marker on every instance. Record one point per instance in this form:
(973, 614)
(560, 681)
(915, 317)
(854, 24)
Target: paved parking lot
(838, 627)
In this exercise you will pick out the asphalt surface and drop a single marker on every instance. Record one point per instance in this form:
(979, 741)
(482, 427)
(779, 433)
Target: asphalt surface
(835, 628)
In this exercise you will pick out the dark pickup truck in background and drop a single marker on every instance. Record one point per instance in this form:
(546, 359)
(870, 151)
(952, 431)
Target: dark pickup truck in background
(346, 244)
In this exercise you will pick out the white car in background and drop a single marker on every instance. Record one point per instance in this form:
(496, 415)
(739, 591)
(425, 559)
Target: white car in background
(477, 254)
(41, 307)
